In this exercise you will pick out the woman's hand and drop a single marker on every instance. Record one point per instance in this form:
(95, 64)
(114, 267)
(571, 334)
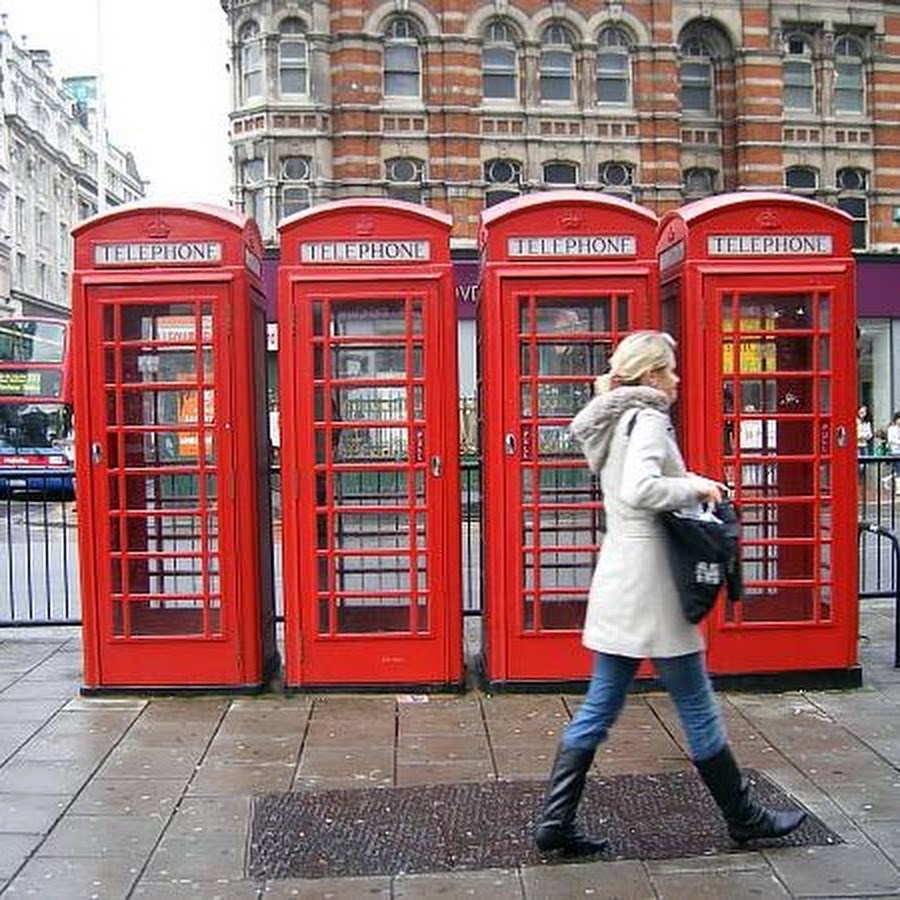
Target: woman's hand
(709, 491)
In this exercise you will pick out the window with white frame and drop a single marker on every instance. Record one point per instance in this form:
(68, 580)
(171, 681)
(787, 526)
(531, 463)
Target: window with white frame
(296, 173)
(695, 74)
(849, 76)
(404, 175)
(614, 66)
(799, 82)
(852, 185)
(700, 182)
(21, 219)
(617, 178)
(293, 58)
(252, 177)
(801, 179)
(402, 59)
(251, 61)
(557, 64)
(503, 178)
(499, 63)
(559, 172)
(40, 228)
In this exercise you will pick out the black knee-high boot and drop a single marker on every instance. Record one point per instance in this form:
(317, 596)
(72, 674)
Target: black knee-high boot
(556, 829)
(747, 819)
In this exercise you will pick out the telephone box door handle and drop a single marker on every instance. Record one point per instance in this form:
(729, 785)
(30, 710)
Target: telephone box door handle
(509, 442)
(96, 452)
(840, 436)
(437, 465)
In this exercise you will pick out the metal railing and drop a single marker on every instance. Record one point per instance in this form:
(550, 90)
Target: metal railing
(38, 549)
(39, 582)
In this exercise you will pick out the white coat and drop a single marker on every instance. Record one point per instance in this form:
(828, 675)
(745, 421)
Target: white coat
(633, 607)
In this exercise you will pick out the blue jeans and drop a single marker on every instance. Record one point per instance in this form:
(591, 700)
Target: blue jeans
(684, 677)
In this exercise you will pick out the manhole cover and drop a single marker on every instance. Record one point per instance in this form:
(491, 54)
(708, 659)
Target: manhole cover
(439, 828)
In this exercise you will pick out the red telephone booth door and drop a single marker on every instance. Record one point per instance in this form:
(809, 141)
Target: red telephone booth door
(559, 334)
(778, 379)
(161, 484)
(376, 557)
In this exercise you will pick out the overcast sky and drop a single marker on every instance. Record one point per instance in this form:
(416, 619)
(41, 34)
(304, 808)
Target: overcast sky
(163, 68)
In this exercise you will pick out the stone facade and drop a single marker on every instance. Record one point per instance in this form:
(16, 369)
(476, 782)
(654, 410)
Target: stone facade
(48, 180)
(458, 104)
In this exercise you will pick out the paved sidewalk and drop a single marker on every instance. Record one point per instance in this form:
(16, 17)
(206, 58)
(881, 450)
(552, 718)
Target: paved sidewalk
(151, 798)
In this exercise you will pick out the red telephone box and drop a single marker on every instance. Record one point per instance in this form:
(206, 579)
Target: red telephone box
(566, 274)
(758, 288)
(171, 450)
(370, 472)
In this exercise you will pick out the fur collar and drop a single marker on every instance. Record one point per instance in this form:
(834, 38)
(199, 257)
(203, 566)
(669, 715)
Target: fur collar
(594, 426)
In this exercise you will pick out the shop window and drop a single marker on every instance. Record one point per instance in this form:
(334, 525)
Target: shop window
(801, 179)
(251, 62)
(499, 63)
(696, 77)
(404, 179)
(293, 58)
(614, 66)
(617, 178)
(799, 85)
(849, 81)
(503, 178)
(560, 173)
(852, 185)
(402, 60)
(557, 65)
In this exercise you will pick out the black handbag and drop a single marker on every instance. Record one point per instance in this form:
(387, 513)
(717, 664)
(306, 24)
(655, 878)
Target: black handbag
(704, 553)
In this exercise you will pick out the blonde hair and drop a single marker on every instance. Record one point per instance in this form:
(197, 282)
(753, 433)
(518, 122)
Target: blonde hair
(638, 353)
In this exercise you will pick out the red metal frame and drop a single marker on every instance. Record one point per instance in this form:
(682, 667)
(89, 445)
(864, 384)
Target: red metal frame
(171, 451)
(767, 353)
(370, 472)
(566, 274)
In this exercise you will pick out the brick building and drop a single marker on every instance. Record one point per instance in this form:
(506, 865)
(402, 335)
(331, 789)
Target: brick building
(462, 104)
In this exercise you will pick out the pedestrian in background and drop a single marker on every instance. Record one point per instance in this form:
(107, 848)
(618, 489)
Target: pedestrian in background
(633, 609)
(864, 431)
(893, 443)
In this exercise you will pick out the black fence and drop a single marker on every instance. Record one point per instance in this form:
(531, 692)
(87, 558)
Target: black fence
(39, 555)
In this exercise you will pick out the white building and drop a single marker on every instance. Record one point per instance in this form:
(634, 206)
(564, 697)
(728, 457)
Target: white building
(48, 179)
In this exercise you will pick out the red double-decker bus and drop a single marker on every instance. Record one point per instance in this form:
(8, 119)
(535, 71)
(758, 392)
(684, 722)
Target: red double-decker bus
(36, 427)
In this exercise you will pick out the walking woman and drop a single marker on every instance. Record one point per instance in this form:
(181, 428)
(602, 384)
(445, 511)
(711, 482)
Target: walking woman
(633, 610)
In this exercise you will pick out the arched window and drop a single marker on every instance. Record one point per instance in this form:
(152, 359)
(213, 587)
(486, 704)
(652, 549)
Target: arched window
(404, 176)
(849, 82)
(617, 178)
(504, 180)
(293, 58)
(700, 182)
(251, 61)
(801, 179)
(614, 66)
(799, 84)
(560, 173)
(295, 175)
(402, 63)
(557, 65)
(852, 185)
(696, 77)
(499, 63)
